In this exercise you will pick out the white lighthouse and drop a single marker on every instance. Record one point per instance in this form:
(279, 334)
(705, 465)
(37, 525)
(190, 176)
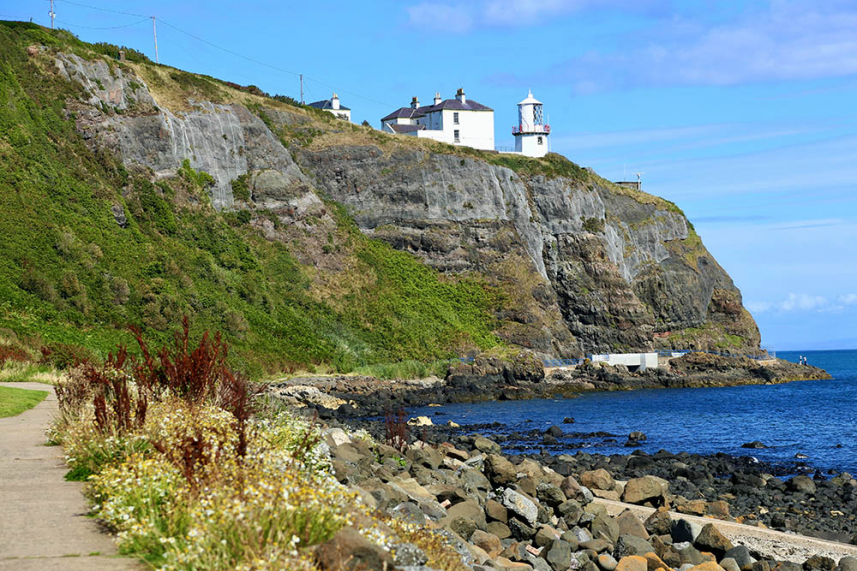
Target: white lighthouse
(531, 133)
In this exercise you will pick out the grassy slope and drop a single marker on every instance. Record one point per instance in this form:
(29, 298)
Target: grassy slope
(14, 401)
(69, 273)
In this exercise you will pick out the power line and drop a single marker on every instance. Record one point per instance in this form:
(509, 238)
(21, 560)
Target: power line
(102, 9)
(104, 28)
(226, 50)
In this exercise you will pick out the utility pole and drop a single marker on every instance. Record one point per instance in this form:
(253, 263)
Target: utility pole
(302, 89)
(52, 14)
(154, 33)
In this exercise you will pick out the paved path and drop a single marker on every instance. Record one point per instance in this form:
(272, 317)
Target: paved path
(777, 544)
(42, 517)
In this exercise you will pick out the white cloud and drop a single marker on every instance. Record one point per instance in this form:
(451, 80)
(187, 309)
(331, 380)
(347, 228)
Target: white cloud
(802, 301)
(848, 299)
(786, 40)
(456, 16)
(758, 306)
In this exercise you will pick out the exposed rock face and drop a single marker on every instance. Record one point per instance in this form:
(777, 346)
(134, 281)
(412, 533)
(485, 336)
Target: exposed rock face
(587, 267)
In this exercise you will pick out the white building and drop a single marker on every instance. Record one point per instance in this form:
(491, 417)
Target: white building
(456, 121)
(332, 105)
(531, 134)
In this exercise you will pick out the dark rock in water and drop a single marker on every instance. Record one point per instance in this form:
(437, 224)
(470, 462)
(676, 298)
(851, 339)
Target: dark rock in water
(555, 431)
(801, 456)
(637, 435)
(349, 550)
(632, 443)
(755, 444)
(549, 440)
(568, 420)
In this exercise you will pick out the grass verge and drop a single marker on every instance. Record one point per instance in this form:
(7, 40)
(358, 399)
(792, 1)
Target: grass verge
(14, 401)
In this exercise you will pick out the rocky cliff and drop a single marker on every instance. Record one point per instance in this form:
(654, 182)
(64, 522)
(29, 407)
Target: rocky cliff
(574, 263)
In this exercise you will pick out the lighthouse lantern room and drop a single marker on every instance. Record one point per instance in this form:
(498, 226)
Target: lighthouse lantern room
(531, 134)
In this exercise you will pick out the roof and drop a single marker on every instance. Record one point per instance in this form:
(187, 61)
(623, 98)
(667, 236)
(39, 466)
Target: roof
(407, 128)
(326, 104)
(400, 113)
(447, 104)
(530, 99)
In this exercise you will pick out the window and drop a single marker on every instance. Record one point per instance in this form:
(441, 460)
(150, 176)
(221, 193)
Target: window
(541, 142)
(455, 117)
(456, 135)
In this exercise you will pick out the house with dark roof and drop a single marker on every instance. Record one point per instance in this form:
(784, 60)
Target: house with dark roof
(458, 121)
(332, 105)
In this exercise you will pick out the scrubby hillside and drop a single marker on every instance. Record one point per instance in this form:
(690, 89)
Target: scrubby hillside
(136, 193)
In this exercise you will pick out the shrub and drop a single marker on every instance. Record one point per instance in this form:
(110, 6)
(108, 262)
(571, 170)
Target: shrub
(65, 355)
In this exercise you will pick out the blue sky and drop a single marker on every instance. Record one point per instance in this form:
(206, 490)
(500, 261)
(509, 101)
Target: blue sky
(743, 113)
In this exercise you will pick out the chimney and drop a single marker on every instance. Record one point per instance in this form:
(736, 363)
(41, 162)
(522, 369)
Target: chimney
(121, 55)
(334, 101)
(460, 95)
(437, 99)
(415, 103)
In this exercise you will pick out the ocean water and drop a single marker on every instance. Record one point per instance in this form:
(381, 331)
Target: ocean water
(815, 418)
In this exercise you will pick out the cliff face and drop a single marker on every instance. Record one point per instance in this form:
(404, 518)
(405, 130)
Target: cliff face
(583, 265)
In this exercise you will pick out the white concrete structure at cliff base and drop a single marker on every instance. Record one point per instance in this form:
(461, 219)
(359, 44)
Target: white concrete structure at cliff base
(531, 133)
(456, 121)
(332, 105)
(634, 361)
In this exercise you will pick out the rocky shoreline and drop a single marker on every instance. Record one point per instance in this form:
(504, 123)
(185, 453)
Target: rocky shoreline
(548, 513)
(524, 377)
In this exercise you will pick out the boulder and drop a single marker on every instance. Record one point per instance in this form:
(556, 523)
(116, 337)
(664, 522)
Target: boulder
(545, 535)
(599, 479)
(818, 562)
(420, 421)
(631, 545)
(707, 566)
(659, 523)
(741, 555)
(568, 420)
(847, 563)
(521, 506)
(550, 494)
(653, 562)
(729, 564)
(558, 555)
(409, 555)
(471, 510)
(803, 484)
(570, 511)
(574, 491)
(555, 431)
(605, 527)
(596, 545)
(488, 542)
(710, 539)
(630, 524)
(684, 531)
(348, 550)
(632, 563)
(607, 562)
(520, 530)
(756, 445)
(496, 512)
(648, 489)
(499, 470)
(499, 529)
(486, 446)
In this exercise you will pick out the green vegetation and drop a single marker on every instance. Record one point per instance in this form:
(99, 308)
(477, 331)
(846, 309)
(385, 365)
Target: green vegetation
(14, 401)
(72, 278)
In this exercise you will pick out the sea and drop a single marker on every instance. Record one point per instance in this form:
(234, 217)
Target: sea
(817, 419)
